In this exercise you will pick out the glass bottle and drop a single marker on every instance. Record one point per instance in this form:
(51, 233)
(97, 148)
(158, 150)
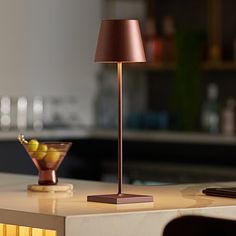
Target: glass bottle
(38, 113)
(5, 109)
(210, 110)
(152, 43)
(228, 117)
(168, 26)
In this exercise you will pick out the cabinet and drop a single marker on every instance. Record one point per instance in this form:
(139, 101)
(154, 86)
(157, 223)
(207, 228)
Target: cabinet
(214, 19)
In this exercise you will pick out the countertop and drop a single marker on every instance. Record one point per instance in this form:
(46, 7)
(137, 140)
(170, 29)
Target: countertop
(166, 198)
(80, 217)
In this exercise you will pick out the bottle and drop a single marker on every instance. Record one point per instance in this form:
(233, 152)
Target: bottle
(5, 119)
(168, 27)
(215, 52)
(37, 113)
(152, 43)
(228, 117)
(22, 113)
(106, 103)
(210, 110)
(234, 50)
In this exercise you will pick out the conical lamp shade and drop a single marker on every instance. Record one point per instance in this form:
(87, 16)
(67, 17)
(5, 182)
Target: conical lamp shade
(120, 41)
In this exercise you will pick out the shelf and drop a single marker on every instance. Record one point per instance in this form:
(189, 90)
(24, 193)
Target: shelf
(59, 134)
(150, 67)
(130, 135)
(144, 66)
(167, 136)
(206, 66)
(219, 66)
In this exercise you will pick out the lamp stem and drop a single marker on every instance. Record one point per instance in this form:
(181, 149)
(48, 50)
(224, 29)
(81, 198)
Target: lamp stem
(120, 149)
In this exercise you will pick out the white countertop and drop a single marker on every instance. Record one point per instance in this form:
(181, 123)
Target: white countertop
(170, 197)
(70, 212)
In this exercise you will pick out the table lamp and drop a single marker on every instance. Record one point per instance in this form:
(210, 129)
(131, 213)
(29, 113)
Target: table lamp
(120, 42)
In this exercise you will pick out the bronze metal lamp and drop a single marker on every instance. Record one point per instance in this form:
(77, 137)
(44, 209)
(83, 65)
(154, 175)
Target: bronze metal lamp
(120, 42)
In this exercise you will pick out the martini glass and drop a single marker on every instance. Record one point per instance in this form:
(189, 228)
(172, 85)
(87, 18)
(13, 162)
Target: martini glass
(48, 159)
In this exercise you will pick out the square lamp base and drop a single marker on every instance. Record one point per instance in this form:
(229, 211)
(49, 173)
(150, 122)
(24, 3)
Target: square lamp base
(120, 198)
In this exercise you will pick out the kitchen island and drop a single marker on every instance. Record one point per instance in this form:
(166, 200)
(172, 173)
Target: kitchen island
(49, 214)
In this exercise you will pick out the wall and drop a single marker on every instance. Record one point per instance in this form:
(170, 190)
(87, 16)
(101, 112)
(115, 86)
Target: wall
(47, 48)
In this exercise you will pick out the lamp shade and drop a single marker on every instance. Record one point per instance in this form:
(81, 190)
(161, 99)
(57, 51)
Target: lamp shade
(120, 41)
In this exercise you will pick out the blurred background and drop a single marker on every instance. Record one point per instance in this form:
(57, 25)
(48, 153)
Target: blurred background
(179, 107)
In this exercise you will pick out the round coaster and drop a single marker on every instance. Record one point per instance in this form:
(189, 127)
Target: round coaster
(60, 187)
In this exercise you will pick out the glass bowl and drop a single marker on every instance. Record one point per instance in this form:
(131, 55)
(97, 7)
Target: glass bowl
(47, 157)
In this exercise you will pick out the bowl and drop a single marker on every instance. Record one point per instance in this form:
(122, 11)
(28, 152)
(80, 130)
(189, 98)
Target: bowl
(47, 157)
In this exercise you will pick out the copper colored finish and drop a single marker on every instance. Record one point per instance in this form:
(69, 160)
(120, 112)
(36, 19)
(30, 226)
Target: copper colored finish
(120, 198)
(120, 41)
(120, 149)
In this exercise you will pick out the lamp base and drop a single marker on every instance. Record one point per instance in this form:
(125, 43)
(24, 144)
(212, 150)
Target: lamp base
(120, 198)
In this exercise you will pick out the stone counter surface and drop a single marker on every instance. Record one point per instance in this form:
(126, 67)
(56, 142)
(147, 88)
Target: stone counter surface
(71, 215)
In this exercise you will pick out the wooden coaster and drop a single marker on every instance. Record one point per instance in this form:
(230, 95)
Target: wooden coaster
(60, 187)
